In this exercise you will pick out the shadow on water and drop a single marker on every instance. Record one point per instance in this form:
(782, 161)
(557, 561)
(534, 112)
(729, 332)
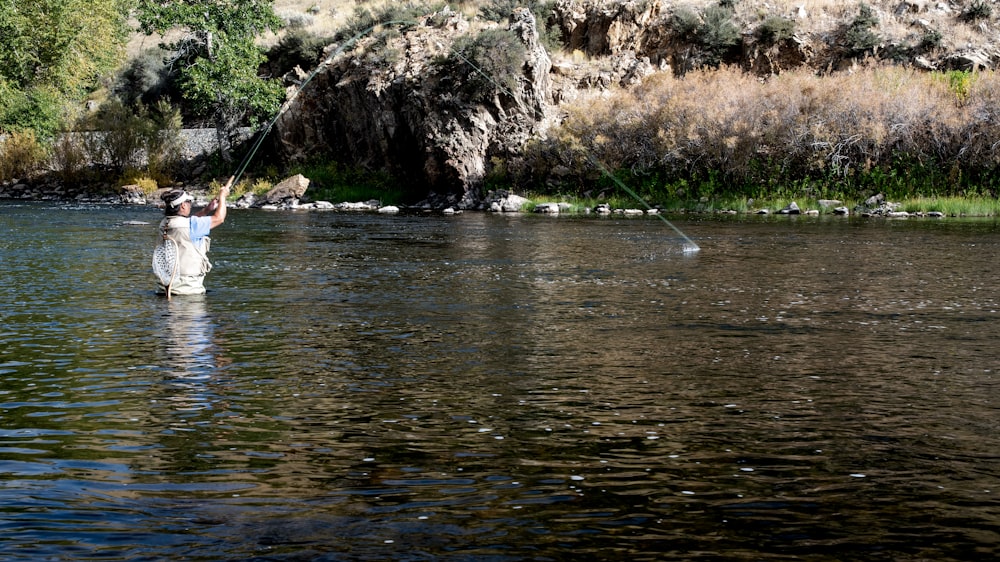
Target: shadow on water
(359, 387)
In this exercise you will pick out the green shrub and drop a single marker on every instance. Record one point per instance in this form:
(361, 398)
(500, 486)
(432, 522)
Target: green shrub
(40, 109)
(297, 48)
(363, 18)
(145, 79)
(775, 29)
(500, 10)
(959, 83)
(295, 21)
(134, 138)
(859, 37)
(718, 34)
(493, 59)
(931, 40)
(978, 10)
(685, 22)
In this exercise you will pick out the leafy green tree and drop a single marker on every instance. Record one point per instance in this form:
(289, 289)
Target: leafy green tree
(217, 58)
(52, 52)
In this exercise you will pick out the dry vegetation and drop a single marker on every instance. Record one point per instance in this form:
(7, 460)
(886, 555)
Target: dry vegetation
(903, 131)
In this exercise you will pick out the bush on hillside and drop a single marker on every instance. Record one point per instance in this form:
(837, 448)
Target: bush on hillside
(859, 37)
(718, 34)
(499, 11)
(978, 10)
(296, 48)
(684, 23)
(775, 29)
(296, 21)
(492, 61)
(146, 79)
(930, 40)
(402, 14)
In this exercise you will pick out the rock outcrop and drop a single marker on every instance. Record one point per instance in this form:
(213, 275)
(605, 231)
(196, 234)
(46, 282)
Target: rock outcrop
(392, 104)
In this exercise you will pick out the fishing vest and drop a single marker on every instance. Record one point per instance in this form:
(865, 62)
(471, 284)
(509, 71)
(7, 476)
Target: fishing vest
(191, 260)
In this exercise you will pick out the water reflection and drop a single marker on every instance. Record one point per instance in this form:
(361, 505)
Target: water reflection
(189, 345)
(483, 387)
(190, 355)
(190, 395)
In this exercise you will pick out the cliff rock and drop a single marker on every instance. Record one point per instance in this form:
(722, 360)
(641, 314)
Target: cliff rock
(411, 104)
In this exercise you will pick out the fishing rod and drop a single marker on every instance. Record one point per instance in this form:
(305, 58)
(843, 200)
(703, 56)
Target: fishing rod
(689, 245)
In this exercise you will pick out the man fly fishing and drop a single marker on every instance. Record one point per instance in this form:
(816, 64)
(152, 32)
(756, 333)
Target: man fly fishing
(180, 261)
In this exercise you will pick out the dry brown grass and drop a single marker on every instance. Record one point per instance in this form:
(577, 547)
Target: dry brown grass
(21, 155)
(794, 126)
(321, 17)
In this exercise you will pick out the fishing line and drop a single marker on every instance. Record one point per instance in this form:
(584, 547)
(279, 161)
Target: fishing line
(689, 245)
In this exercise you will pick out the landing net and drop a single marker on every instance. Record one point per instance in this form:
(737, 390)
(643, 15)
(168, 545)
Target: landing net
(165, 262)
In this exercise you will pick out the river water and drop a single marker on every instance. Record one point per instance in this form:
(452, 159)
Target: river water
(496, 387)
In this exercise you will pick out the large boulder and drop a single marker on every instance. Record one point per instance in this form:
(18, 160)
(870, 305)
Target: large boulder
(292, 188)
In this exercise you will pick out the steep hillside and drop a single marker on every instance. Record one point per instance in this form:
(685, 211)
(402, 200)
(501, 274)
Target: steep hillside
(768, 35)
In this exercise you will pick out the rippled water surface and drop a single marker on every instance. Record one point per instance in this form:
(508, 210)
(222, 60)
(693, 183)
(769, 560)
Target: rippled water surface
(481, 387)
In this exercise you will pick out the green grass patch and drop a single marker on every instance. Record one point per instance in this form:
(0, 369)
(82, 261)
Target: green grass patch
(976, 206)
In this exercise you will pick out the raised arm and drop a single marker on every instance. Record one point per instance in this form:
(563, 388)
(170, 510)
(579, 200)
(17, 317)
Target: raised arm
(219, 204)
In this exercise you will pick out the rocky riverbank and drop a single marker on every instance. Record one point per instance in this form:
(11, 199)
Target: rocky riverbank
(292, 195)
